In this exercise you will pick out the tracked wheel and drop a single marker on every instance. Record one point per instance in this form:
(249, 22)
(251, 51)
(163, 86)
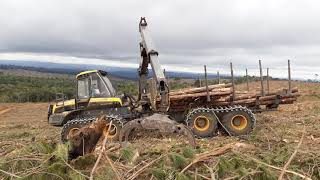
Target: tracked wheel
(238, 121)
(73, 126)
(202, 122)
(116, 126)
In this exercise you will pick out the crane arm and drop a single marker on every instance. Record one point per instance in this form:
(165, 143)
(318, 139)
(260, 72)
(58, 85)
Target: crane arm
(149, 54)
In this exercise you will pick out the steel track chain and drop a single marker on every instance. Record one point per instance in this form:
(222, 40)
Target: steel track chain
(89, 119)
(220, 110)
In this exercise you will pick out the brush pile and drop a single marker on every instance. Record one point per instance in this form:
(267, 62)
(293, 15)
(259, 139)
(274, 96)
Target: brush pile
(222, 95)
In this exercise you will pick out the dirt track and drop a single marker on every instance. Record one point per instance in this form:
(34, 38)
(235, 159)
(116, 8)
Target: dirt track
(23, 122)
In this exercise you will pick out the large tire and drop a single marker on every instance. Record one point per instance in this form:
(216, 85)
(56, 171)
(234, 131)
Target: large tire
(202, 122)
(239, 121)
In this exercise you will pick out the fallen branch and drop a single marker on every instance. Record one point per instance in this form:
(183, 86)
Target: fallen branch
(10, 174)
(101, 152)
(76, 170)
(211, 171)
(206, 155)
(144, 168)
(113, 168)
(204, 177)
(293, 154)
(5, 110)
(115, 147)
(133, 168)
(196, 174)
(277, 168)
(52, 174)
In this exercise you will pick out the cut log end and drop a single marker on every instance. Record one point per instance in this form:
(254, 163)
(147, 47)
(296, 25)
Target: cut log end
(84, 141)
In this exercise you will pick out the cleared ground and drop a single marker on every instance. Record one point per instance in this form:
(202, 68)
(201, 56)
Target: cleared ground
(274, 139)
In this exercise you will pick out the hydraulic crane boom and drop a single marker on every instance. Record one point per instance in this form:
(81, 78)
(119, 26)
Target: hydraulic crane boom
(149, 54)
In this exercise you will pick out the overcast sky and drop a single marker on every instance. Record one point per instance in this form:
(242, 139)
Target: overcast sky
(188, 34)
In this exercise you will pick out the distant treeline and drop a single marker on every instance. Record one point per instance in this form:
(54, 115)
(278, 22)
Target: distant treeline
(40, 69)
(43, 89)
(33, 89)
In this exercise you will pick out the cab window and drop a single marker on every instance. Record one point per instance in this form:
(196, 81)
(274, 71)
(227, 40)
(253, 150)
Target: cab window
(98, 88)
(107, 81)
(83, 88)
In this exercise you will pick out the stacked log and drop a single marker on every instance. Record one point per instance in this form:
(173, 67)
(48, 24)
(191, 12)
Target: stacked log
(199, 90)
(182, 98)
(221, 95)
(218, 92)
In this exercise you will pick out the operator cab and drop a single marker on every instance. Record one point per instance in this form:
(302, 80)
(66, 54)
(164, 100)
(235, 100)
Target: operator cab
(94, 84)
(94, 87)
(94, 94)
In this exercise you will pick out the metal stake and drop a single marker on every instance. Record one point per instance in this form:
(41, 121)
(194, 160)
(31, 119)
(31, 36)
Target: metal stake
(206, 80)
(247, 79)
(261, 79)
(232, 79)
(218, 73)
(289, 75)
(268, 86)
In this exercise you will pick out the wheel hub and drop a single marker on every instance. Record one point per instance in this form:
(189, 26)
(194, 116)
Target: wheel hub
(239, 122)
(201, 123)
(112, 132)
(72, 132)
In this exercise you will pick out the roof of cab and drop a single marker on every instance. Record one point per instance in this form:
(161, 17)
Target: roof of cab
(90, 71)
(86, 72)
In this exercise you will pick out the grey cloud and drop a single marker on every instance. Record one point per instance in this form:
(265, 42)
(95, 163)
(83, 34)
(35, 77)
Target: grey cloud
(190, 33)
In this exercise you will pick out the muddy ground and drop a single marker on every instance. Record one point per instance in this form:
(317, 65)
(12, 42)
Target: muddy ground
(274, 139)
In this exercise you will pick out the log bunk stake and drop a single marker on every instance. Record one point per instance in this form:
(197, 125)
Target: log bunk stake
(224, 94)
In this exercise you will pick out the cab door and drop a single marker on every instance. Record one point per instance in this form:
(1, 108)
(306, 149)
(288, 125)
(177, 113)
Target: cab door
(83, 92)
(98, 87)
(101, 96)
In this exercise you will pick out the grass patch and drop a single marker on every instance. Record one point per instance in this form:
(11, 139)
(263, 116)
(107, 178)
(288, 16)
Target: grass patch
(39, 160)
(18, 135)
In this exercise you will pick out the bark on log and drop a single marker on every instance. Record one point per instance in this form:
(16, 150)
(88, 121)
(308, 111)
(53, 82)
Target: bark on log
(282, 101)
(283, 91)
(288, 99)
(221, 96)
(85, 140)
(247, 96)
(198, 90)
(220, 92)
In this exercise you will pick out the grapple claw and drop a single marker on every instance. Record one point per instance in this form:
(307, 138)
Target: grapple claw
(157, 122)
(182, 129)
(127, 128)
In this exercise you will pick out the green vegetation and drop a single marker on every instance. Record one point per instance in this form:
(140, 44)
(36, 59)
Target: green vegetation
(43, 89)
(129, 87)
(43, 160)
(33, 89)
(179, 83)
(39, 161)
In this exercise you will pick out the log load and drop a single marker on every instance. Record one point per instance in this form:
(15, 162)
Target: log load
(199, 90)
(221, 95)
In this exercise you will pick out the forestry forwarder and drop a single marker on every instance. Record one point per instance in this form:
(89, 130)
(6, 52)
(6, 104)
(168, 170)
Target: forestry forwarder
(95, 96)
